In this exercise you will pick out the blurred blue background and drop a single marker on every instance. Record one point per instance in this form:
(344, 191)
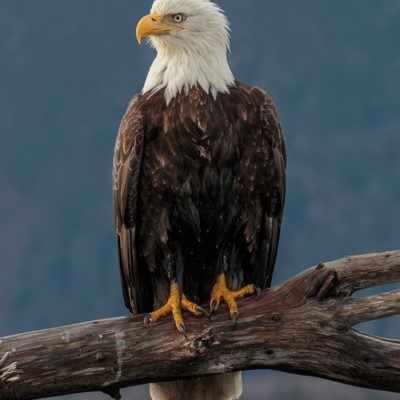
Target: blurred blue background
(67, 72)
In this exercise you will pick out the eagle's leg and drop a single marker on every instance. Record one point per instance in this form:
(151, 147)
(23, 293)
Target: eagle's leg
(221, 292)
(174, 306)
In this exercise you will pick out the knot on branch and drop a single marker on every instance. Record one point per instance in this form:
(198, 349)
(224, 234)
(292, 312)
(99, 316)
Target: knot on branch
(202, 343)
(113, 392)
(316, 283)
(324, 282)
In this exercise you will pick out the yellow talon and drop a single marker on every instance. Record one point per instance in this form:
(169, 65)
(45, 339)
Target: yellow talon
(174, 307)
(221, 292)
(171, 307)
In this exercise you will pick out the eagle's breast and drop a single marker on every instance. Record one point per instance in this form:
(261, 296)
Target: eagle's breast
(191, 151)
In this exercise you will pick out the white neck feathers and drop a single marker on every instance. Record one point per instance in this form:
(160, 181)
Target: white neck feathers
(182, 68)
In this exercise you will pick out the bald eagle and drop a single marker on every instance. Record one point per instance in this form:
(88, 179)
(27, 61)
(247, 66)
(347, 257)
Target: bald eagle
(198, 182)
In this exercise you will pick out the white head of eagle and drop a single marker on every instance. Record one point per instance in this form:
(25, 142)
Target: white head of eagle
(191, 38)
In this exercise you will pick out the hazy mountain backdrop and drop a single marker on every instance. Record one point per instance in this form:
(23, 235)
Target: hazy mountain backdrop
(67, 72)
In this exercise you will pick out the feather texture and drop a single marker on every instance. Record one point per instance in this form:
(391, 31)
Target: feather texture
(217, 387)
(194, 181)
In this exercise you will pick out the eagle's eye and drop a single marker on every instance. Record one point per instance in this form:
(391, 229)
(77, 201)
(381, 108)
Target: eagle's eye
(178, 18)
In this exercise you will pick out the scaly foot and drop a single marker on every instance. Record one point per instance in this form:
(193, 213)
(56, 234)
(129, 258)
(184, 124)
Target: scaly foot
(221, 292)
(175, 306)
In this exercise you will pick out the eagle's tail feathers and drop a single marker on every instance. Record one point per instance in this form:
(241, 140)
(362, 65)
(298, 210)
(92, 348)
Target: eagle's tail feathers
(216, 387)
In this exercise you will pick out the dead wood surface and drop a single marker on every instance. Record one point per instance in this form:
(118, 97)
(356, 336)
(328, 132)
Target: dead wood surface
(304, 326)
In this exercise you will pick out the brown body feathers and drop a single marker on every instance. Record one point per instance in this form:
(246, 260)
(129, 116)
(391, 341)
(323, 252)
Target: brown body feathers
(199, 188)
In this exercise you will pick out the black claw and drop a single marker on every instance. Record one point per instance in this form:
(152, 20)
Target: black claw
(235, 317)
(213, 307)
(147, 319)
(205, 313)
(258, 291)
(182, 329)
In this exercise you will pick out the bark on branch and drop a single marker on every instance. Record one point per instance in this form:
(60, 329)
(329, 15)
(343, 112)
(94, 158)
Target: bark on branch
(303, 326)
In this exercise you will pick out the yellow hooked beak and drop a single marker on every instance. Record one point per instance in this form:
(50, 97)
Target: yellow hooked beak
(152, 25)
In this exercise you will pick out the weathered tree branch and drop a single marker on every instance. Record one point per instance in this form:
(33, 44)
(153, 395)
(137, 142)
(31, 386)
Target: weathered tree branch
(303, 326)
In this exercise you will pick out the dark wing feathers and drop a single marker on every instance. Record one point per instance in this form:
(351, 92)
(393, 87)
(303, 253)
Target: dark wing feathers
(126, 166)
(274, 203)
(126, 174)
